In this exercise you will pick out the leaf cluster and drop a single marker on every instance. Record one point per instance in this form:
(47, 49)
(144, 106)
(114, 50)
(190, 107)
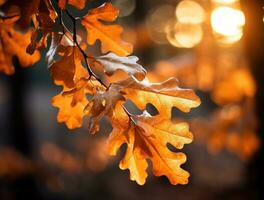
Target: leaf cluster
(86, 94)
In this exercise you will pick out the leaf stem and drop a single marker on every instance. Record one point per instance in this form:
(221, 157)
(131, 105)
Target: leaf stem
(129, 114)
(85, 56)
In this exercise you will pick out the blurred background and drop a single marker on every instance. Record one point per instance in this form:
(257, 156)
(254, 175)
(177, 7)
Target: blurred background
(212, 46)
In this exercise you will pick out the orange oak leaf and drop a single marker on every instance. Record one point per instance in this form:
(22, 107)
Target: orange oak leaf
(163, 96)
(111, 63)
(43, 20)
(23, 8)
(109, 35)
(68, 72)
(14, 43)
(69, 69)
(73, 102)
(72, 115)
(147, 138)
(80, 4)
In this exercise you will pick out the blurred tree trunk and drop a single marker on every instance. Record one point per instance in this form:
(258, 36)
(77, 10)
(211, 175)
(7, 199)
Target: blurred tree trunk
(19, 133)
(254, 39)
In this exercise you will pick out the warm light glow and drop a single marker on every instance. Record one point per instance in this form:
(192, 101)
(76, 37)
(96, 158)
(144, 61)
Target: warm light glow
(159, 16)
(228, 22)
(157, 20)
(190, 12)
(184, 35)
(225, 1)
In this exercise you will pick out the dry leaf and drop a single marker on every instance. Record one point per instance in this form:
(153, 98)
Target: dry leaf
(80, 4)
(102, 104)
(163, 96)
(111, 62)
(69, 73)
(85, 94)
(13, 43)
(72, 115)
(109, 35)
(43, 20)
(59, 46)
(147, 138)
(64, 71)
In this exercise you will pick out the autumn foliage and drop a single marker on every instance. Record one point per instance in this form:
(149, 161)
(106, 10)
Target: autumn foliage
(86, 94)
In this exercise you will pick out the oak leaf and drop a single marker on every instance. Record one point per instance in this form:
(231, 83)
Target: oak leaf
(43, 20)
(14, 43)
(65, 61)
(72, 103)
(72, 115)
(80, 4)
(25, 9)
(72, 100)
(109, 35)
(147, 138)
(60, 43)
(112, 62)
(163, 96)
(102, 104)
(68, 72)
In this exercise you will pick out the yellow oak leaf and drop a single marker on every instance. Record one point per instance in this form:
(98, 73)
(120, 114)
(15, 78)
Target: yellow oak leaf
(163, 96)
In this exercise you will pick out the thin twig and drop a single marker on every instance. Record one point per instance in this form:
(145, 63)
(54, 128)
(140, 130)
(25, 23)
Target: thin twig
(128, 114)
(90, 71)
(85, 56)
(8, 17)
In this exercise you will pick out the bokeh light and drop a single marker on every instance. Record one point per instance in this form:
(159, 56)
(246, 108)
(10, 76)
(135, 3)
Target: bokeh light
(190, 12)
(157, 21)
(228, 23)
(184, 35)
(225, 1)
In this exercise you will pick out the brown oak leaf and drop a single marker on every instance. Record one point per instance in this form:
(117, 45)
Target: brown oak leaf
(102, 104)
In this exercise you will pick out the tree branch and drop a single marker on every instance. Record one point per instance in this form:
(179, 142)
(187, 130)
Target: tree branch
(85, 56)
